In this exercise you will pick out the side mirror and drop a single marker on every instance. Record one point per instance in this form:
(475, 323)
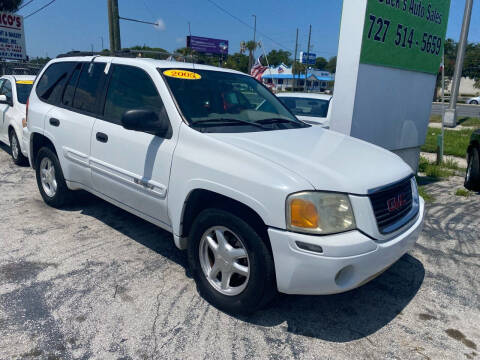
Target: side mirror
(147, 121)
(3, 99)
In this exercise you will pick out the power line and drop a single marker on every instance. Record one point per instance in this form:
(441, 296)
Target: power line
(247, 25)
(27, 3)
(38, 10)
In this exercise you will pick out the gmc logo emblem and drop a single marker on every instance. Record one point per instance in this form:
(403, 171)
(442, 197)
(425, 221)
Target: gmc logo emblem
(396, 203)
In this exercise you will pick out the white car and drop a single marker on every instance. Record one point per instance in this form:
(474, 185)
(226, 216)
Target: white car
(14, 92)
(474, 101)
(260, 200)
(311, 108)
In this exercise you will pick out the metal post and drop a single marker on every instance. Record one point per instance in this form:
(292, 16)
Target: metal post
(294, 66)
(451, 113)
(254, 34)
(308, 58)
(443, 107)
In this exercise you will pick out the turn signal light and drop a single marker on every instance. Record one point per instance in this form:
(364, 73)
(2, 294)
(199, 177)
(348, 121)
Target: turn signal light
(303, 214)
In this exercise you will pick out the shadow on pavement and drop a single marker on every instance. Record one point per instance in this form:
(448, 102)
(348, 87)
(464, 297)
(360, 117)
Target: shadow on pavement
(5, 148)
(338, 318)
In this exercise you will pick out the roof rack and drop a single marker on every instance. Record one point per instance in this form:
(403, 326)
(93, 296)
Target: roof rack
(130, 54)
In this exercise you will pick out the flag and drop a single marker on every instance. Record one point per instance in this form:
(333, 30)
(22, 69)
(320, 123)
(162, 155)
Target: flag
(257, 70)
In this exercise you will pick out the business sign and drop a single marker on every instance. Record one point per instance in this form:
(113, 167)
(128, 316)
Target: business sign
(405, 34)
(207, 45)
(12, 37)
(306, 58)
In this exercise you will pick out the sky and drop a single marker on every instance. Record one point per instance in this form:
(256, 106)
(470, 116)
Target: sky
(78, 25)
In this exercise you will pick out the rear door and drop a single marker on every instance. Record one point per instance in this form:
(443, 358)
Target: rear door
(131, 167)
(70, 122)
(6, 110)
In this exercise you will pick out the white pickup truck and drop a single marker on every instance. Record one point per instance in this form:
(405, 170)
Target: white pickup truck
(261, 200)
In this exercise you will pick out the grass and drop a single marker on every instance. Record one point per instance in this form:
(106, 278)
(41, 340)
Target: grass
(425, 195)
(444, 170)
(463, 192)
(455, 142)
(464, 121)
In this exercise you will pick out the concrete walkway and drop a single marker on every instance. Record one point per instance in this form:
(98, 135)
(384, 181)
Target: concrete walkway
(433, 157)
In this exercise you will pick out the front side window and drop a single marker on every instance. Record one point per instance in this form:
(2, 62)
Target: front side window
(53, 80)
(90, 83)
(216, 101)
(130, 88)
(7, 89)
(306, 106)
(23, 91)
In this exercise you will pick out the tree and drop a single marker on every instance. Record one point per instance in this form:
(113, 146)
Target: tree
(332, 65)
(320, 63)
(277, 57)
(251, 46)
(10, 5)
(238, 62)
(150, 55)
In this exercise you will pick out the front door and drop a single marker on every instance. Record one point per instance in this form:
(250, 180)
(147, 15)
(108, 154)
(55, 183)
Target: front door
(5, 110)
(128, 166)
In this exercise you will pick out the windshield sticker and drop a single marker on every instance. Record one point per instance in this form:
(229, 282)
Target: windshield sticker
(27, 82)
(182, 74)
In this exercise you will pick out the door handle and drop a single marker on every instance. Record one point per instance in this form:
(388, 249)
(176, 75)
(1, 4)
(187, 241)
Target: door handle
(102, 137)
(54, 122)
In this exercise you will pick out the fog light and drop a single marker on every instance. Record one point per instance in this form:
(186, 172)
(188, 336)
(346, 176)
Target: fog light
(309, 247)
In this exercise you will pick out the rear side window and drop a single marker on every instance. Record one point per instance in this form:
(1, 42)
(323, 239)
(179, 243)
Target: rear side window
(89, 87)
(7, 89)
(70, 88)
(130, 88)
(53, 80)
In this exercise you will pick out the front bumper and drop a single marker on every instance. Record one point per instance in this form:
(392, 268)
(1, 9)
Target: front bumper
(348, 260)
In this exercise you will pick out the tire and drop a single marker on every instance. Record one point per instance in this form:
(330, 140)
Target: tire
(15, 149)
(474, 102)
(472, 178)
(247, 293)
(56, 194)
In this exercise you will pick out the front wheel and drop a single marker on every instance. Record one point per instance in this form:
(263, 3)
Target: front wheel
(474, 102)
(472, 178)
(50, 180)
(230, 262)
(16, 150)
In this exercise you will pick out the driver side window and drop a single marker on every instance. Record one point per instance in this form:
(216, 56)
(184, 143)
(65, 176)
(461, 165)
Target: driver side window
(7, 89)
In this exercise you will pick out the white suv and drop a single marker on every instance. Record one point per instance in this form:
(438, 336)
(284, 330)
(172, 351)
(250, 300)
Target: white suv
(261, 200)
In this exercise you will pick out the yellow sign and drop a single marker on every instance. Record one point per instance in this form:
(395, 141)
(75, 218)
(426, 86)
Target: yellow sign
(182, 74)
(26, 82)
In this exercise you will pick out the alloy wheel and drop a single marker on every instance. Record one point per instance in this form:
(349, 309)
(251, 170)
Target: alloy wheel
(47, 177)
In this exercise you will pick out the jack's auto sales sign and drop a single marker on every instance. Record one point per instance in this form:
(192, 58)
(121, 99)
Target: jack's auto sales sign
(12, 37)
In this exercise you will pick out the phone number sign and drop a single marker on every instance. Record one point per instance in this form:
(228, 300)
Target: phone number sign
(405, 34)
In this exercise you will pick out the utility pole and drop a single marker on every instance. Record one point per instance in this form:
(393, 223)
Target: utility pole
(308, 58)
(450, 117)
(101, 38)
(114, 25)
(254, 34)
(294, 66)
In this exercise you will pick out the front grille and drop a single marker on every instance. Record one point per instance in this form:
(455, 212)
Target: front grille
(391, 204)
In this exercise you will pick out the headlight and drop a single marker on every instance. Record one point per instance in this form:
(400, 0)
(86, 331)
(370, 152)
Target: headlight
(319, 213)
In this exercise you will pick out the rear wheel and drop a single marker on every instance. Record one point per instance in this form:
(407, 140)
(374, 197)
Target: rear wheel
(230, 262)
(474, 102)
(15, 149)
(472, 178)
(50, 180)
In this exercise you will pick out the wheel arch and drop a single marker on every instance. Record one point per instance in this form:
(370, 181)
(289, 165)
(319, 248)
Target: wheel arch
(199, 199)
(37, 141)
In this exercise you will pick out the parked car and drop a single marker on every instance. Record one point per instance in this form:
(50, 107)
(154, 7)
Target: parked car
(472, 178)
(474, 100)
(261, 200)
(311, 108)
(14, 92)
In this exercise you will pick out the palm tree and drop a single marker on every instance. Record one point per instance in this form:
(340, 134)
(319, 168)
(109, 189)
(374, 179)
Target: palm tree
(10, 5)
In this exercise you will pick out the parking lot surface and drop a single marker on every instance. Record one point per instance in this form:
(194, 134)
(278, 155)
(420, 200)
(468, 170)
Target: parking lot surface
(93, 281)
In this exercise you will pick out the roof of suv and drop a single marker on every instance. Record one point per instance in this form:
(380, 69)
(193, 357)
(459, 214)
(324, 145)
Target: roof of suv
(20, 77)
(162, 64)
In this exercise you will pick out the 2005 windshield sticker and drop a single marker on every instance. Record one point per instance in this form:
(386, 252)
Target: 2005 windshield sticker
(405, 34)
(182, 74)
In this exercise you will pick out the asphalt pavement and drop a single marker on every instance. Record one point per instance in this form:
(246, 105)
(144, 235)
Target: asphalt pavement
(462, 109)
(92, 281)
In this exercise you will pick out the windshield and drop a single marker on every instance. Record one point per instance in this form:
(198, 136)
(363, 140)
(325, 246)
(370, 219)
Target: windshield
(215, 101)
(307, 106)
(23, 91)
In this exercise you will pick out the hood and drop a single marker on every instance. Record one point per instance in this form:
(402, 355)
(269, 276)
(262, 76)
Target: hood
(328, 160)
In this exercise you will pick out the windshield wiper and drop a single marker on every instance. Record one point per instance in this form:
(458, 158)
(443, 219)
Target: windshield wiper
(276, 121)
(224, 122)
